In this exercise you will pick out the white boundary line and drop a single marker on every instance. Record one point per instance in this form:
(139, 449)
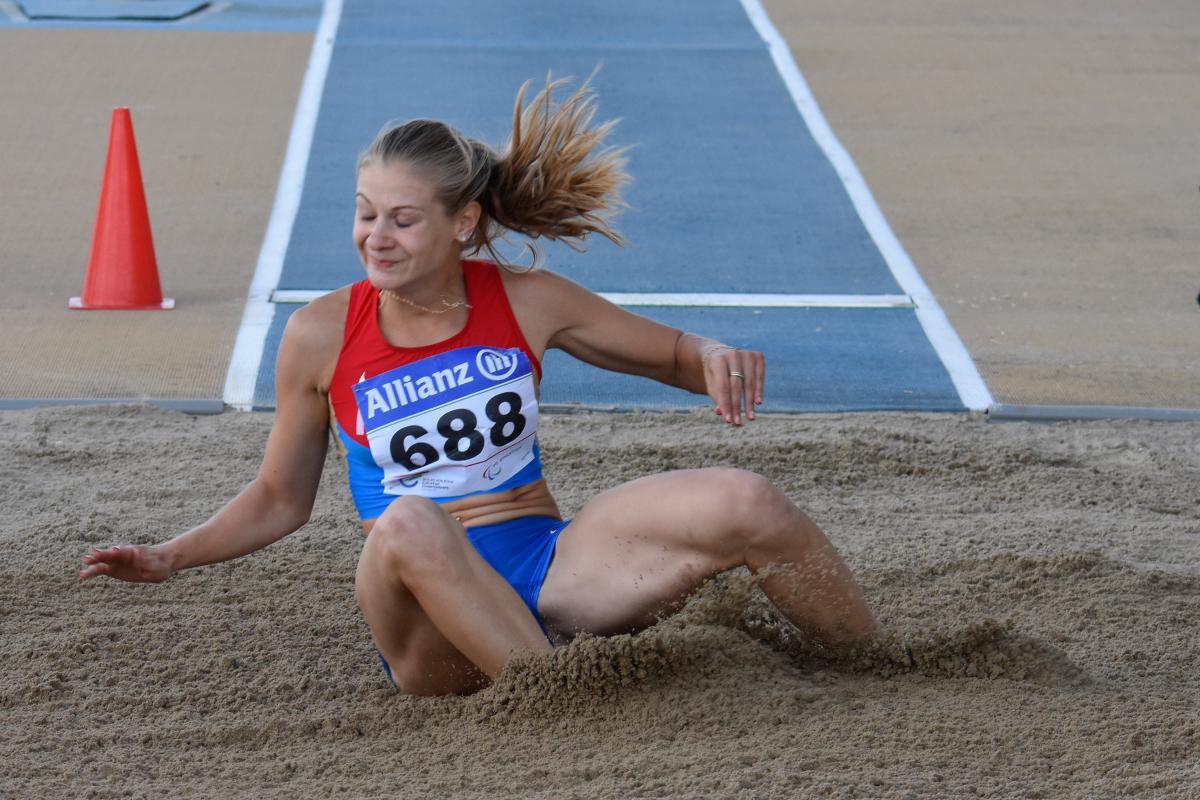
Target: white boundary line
(695, 299)
(247, 354)
(210, 10)
(961, 368)
(13, 11)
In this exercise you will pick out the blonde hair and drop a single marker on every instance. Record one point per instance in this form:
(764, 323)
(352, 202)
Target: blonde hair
(553, 179)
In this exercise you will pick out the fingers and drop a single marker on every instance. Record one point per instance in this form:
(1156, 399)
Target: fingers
(754, 367)
(735, 383)
(114, 553)
(95, 570)
(731, 395)
(744, 378)
(747, 386)
(101, 561)
(720, 385)
(760, 362)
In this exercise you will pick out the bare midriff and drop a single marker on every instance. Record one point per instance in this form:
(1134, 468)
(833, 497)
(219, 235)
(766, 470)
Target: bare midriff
(531, 500)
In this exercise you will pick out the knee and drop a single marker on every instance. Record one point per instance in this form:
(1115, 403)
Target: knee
(749, 496)
(759, 512)
(748, 491)
(414, 538)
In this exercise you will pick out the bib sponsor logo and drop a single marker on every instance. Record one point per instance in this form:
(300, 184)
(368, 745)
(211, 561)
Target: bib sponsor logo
(493, 471)
(495, 365)
(389, 395)
(435, 381)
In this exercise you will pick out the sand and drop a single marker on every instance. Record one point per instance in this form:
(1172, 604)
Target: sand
(1040, 586)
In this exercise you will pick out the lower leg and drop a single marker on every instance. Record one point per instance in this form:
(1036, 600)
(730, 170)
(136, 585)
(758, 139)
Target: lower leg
(485, 619)
(463, 601)
(420, 660)
(806, 579)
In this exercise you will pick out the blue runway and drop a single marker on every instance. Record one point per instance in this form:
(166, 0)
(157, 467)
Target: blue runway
(728, 192)
(727, 195)
(731, 193)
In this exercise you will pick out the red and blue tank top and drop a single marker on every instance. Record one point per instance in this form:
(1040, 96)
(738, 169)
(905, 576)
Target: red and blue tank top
(444, 421)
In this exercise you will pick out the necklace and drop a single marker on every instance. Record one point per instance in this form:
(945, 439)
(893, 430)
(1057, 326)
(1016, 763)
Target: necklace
(388, 293)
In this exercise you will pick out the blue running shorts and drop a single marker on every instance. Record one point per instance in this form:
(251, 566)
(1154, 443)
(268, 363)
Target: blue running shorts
(520, 550)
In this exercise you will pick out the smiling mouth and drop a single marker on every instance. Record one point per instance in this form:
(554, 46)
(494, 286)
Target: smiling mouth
(382, 263)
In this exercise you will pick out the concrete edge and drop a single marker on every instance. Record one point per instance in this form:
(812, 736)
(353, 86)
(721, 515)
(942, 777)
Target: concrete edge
(193, 406)
(1004, 412)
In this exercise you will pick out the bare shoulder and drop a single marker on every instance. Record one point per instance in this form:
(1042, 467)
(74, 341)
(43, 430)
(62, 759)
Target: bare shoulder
(545, 301)
(313, 336)
(572, 318)
(324, 317)
(537, 284)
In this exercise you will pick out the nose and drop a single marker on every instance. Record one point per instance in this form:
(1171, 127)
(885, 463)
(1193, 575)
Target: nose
(377, 237)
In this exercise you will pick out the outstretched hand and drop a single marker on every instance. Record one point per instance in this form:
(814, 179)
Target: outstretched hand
(127, 562)
(734, 381)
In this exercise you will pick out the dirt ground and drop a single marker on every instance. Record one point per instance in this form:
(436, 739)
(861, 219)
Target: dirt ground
(1027, 156)
(1040, 586)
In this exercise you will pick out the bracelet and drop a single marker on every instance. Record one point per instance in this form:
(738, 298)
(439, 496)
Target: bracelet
(707, 352)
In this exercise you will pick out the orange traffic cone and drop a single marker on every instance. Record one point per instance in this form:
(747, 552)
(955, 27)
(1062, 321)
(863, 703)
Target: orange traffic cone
(122, 272)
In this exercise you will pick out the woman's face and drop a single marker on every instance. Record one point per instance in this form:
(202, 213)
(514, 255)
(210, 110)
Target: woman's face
(402, 233)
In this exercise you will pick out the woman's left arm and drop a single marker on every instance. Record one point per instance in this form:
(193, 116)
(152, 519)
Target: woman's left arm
(560, 313)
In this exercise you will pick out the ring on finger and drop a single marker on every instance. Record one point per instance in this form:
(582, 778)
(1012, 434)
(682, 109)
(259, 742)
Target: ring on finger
(735, 374)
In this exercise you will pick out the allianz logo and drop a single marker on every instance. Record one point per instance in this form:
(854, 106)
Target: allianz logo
(494, 365)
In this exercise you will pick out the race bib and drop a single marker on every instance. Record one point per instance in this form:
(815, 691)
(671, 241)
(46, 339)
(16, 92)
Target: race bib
(451, 424)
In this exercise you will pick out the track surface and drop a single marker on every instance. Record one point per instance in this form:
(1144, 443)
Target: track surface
(730, 194)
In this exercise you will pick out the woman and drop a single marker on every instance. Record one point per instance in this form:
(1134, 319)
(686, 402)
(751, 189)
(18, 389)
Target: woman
(427, 371)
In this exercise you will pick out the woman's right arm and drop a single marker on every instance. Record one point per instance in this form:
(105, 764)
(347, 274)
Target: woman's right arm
(280, 499)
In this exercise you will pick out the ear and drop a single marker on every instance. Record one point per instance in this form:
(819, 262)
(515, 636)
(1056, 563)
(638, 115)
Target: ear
(466, 220)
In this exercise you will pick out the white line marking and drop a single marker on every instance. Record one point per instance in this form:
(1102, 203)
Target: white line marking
(297, 296)
(961, 368)
(256, 320)
(758, 300)
(210, 10)
(701, 300)
(12, 11)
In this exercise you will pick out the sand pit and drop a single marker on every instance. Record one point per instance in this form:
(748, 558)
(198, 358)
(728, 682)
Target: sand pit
(1041, 585)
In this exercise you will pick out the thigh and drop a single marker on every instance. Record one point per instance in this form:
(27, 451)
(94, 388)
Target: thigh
(637, 551)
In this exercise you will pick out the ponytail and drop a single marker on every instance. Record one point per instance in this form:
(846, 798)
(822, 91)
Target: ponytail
(552, 180)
